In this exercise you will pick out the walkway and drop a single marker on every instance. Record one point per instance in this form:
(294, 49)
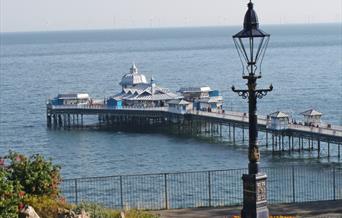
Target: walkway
(317, 209)
(227, 116)
(242, 117)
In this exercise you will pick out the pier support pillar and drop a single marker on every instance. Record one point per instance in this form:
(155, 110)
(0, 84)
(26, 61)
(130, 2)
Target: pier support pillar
(48, 121)
(55, 121)
(229, 131)
(272, 142)
(64, 120)
(107, 120)
(82, 120)
(69, 121)
(220, 130)
(179, 128)
(318, 147)
(289, 143)
(234, 134)
(279, 143)
(302, 143)
(60, 121)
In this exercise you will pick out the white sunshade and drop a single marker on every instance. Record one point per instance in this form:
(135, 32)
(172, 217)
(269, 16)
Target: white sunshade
(311, 112)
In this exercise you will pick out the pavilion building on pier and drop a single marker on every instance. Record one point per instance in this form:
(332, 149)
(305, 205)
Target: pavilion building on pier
(203, 98)
(137, 92)
(71, 99)
(312, 117)
(278, 121)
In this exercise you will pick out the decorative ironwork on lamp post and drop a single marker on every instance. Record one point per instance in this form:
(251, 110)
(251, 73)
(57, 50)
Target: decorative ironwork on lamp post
(251, 44)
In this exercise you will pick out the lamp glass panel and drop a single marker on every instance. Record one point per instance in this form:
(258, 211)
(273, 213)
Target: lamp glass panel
(252, 49)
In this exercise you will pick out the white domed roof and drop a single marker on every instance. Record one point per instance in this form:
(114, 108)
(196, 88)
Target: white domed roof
(133, 77)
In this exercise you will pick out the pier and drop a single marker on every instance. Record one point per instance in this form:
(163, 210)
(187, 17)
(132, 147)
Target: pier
(224, 126)
(192, 111)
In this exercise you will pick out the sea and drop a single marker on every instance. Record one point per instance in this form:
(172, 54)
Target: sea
(303, 62)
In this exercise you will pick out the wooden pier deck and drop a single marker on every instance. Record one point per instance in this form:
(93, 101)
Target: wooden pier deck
(295, 138)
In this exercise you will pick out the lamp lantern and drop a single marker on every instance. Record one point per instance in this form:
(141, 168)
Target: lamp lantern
(251, 42)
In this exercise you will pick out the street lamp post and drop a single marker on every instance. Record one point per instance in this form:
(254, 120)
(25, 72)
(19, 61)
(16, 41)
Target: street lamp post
(251, 44)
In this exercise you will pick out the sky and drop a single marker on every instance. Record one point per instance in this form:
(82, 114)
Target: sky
(50, 15)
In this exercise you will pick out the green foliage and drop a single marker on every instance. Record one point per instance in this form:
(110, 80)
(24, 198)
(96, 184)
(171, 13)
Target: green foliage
(34, 181)
(139, 214)
(98, 211)
(9, 195)
(36, 175)
(23, 177)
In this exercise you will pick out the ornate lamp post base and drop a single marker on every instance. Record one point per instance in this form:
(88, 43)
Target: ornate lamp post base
(254, 196)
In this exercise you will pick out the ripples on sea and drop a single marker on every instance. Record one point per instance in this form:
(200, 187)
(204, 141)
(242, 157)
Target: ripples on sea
(303, 63)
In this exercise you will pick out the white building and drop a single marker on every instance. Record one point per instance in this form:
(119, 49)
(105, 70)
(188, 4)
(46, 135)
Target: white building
(203, 98)
(136, 92)
(211, 104)
(278, 121)
(132, 78)
(179, 106)
(194, 93)
(71, 99)
(312, 117)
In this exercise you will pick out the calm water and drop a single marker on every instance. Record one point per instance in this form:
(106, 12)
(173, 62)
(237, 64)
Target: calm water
(303, 63)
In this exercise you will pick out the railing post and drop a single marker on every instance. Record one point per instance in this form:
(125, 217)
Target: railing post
(76, 194)
(121, 193)
(165, 194)
(334, 182)
(209, 188)
(293, 186)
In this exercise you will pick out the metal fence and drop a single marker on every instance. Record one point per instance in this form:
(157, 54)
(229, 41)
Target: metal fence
(204, 189)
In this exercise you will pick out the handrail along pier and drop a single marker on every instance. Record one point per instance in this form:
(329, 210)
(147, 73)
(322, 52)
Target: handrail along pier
(227, 125)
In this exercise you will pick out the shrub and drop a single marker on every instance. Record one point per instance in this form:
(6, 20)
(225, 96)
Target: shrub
(34, 181)
(23, 177)
(96, 211)
(9, 195)
(36, 175)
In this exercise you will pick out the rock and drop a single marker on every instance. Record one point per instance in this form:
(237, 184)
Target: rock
(28, 212)
(64, 213)
(83, 214)
(122, 214)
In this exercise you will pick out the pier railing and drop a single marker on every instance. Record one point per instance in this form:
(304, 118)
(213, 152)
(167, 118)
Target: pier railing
(223, 116)
(204, 188)
(102, 106)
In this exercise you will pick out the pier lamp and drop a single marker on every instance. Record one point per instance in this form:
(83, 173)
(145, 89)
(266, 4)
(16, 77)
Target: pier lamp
(251, 43)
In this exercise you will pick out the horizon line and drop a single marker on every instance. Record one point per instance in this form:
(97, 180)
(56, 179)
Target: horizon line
(161, 27)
